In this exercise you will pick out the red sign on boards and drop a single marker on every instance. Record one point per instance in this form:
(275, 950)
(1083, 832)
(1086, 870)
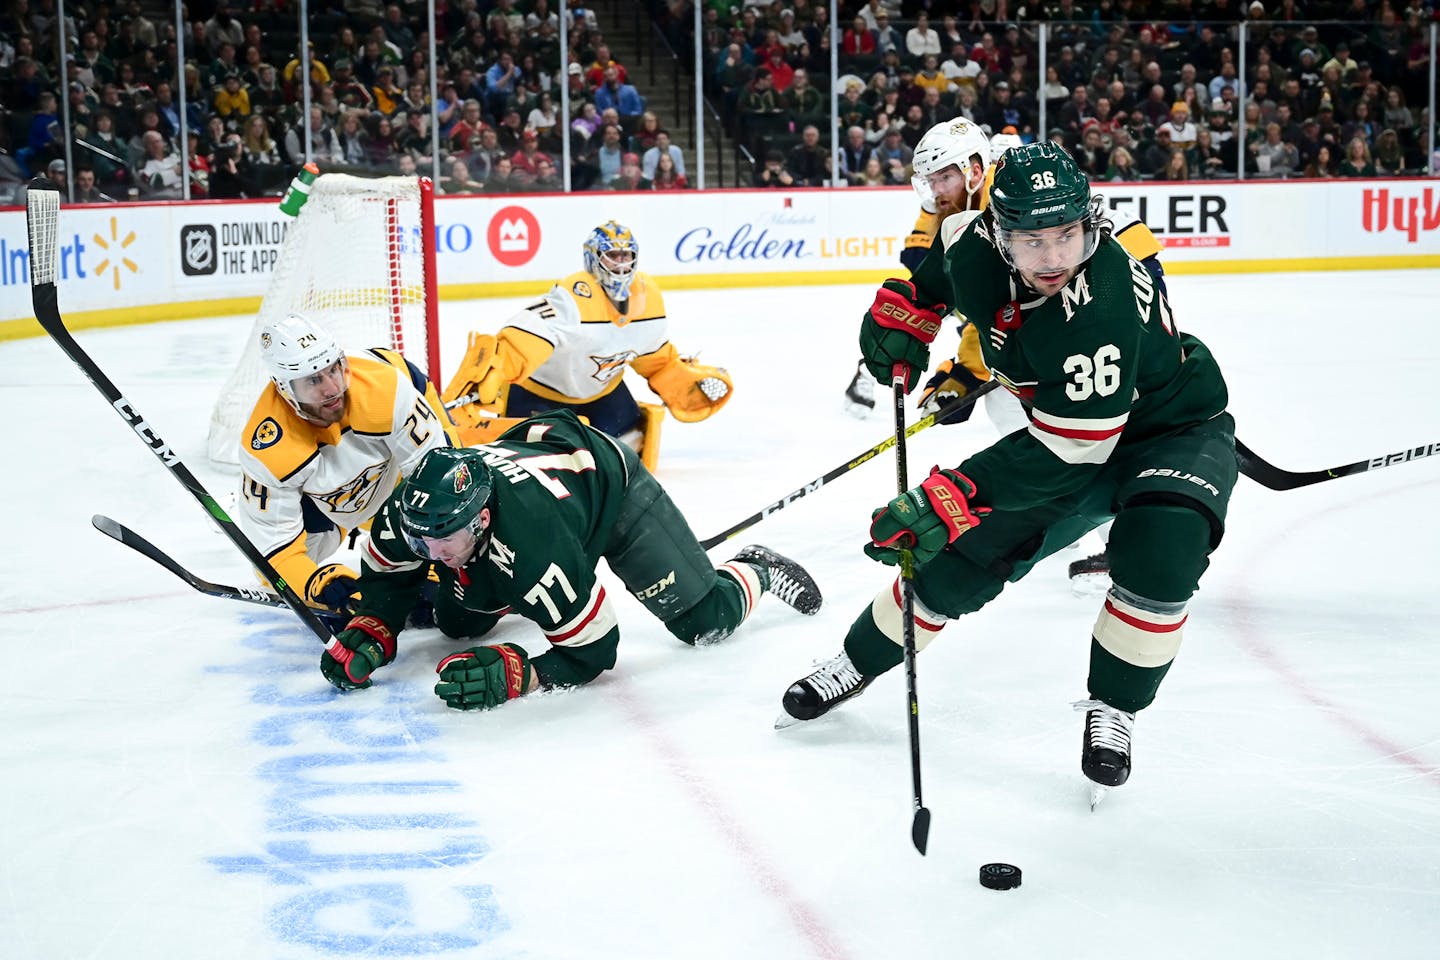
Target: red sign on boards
(513, 236)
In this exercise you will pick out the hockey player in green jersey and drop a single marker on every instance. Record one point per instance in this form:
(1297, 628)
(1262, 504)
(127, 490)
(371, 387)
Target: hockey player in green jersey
(518, 526)
(1127, 420)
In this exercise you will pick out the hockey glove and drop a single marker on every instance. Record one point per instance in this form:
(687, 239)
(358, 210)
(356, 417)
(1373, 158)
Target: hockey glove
(951, 381)
(483, 677)
(896, 329)
(479, 373)
(368, 644)
(691, 391)
(334, 587)
(924, 519)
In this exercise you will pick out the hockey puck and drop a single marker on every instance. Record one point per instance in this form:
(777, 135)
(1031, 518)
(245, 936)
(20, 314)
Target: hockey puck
(1000, 876)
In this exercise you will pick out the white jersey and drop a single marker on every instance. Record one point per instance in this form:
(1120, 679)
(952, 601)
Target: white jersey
(345, 471)
(592, 341)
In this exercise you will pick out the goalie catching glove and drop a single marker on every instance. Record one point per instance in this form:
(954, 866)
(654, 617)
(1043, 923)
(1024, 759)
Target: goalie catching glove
(367, 645)
(691, 391)
(484, 677)
(897, 329)
(924, 519)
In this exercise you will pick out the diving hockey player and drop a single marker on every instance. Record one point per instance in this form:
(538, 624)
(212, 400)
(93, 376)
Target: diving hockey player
(1127, 420)
(329, 438)
(569, 350)
(519, 526)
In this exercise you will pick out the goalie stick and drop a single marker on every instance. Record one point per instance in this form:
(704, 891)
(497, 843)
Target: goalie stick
(1269, 475)
(927, 421)
(42, 220)
(122, 534)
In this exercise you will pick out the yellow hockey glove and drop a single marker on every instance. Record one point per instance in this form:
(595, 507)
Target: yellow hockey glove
(479, 374)
(692, 391)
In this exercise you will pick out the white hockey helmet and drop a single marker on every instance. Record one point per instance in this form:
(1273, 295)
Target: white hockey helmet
(294, 347)
(1002, 142)
(955, 143)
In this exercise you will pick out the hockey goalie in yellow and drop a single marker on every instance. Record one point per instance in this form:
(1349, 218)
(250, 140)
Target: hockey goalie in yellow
(570, 349)
(329, 439)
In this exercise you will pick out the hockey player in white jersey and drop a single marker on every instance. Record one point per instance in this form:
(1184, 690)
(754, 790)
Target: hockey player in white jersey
(570, 349)
(328, 440)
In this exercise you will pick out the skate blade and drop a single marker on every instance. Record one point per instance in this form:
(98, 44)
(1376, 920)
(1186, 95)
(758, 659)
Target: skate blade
(1088, 586)
(1097, 793)
(785, 720)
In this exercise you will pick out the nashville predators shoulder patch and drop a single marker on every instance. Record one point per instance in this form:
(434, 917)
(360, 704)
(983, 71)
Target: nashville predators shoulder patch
(581, 289)
(267, 434)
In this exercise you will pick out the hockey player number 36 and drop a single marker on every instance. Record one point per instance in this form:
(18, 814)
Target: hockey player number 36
(1099, 375)
(1043, 179)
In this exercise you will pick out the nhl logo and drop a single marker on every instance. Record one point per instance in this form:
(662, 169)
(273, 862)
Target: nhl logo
(198, 256)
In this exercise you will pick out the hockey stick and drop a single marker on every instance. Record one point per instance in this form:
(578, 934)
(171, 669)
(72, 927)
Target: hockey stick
(927, 421)
(1269, 475)
(920, 826)
(42, 218)
(122, 534)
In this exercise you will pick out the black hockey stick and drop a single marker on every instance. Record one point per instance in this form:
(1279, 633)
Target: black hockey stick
(1269, 475)
(926, 421)
(122, 534)
(42, 218)
(920, 826)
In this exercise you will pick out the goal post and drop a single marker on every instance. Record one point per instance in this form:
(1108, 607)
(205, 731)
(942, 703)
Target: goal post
(359, 260)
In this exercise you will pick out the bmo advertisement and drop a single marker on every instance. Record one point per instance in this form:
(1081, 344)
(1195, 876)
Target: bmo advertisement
(122, 262)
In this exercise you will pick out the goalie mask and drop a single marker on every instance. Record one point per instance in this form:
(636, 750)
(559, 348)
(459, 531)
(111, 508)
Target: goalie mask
(611, 254)
(1045, 222)
(297, 354)
(957, 144)
(445, 505)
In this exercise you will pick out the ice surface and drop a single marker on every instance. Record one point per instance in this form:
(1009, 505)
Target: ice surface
(179, 781)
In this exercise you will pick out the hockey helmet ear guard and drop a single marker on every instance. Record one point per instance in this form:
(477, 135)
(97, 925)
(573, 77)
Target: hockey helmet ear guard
(611, 257)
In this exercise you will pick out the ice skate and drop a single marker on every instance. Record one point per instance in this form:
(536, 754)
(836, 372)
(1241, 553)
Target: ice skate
(787, 579)
(1090, 577)
(827, 686)
(860, 395)
(1105, 756)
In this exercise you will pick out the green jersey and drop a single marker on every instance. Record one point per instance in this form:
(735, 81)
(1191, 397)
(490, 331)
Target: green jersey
(1099, 366)
(559, 486)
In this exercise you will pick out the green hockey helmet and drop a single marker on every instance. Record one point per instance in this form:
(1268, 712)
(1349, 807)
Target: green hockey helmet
(1037, 187)
(447, 492)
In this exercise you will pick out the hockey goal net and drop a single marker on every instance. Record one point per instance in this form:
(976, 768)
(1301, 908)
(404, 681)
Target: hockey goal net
(359, 260)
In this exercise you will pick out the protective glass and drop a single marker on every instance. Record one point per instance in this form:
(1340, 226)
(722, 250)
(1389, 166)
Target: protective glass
(322, 386)
(951, 185)
(1048, 250)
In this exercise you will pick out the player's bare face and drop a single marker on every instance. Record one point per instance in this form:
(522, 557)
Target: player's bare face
(453, 551)
(1048, 259)
(953, 187)
(323, 395)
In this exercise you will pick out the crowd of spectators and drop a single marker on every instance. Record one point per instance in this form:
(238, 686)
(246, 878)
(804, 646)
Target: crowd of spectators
(1134, 90)
(499, 66)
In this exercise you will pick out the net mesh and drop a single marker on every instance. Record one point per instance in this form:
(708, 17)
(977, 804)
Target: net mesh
(353, 262)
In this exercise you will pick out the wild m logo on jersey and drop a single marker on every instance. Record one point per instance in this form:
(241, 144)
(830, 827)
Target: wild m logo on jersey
(1076, 294)
(353, 496)
(502, 556)
(267, 434)
(608, 368)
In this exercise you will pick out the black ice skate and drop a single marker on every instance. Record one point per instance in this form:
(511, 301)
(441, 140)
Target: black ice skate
(787, 579)
(1105, 756)
(860, 395)
(1091, 576)
(826, 687)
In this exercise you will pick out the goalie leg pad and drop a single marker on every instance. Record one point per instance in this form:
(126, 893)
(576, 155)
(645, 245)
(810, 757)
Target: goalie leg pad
(479, 373)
